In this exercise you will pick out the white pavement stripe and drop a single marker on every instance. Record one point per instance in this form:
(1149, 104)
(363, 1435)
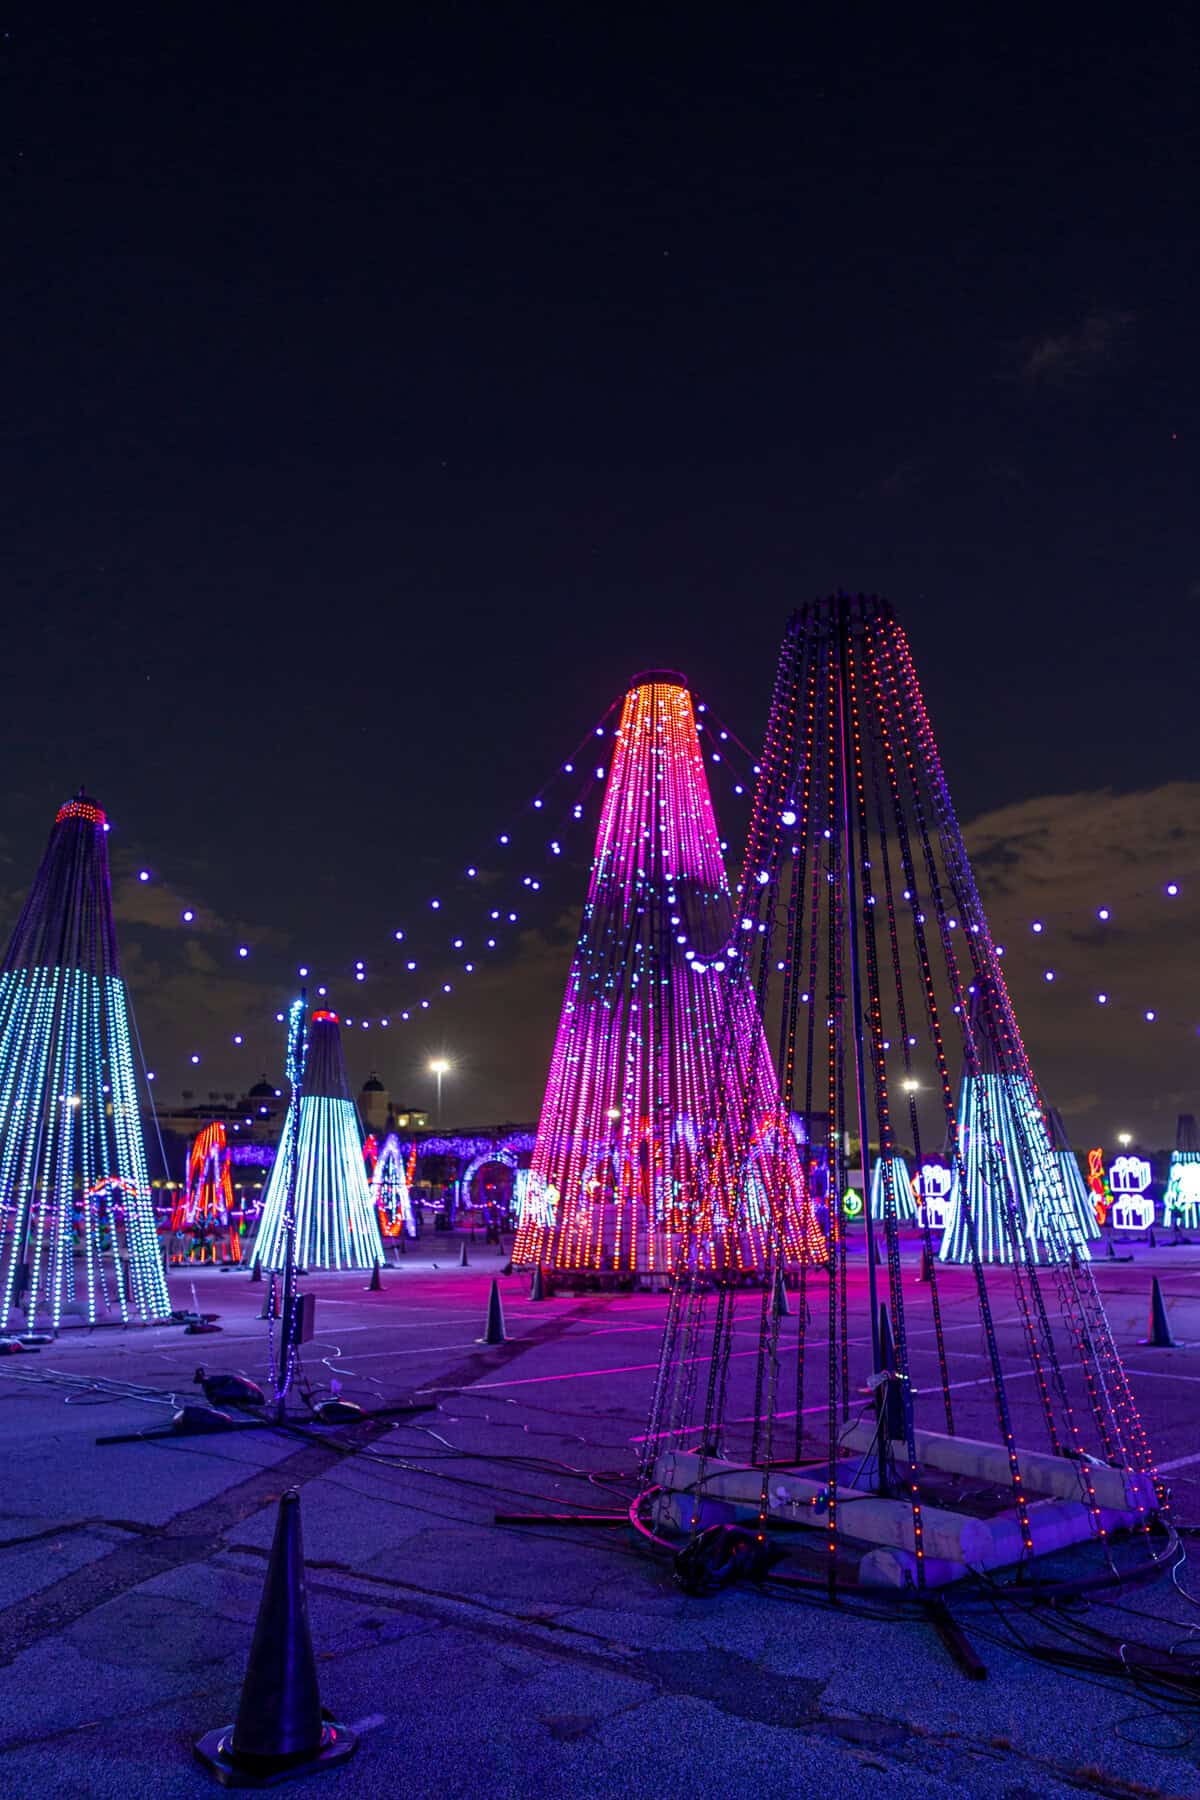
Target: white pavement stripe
(1180, 1462)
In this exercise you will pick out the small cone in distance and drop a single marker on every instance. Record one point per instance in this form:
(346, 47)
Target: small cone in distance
(256, 1271)
(375, 1285)
(280, 1729)
(1109, 1250)
(463, 1259)
(1151, 1240)
(493, 1331)
(1160, 1330)
(537, 1285)
(926, 1270)
(779, 1302)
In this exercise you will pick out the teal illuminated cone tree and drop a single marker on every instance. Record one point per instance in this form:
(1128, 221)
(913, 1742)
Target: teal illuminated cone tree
(79, 1239)
(336, 1224)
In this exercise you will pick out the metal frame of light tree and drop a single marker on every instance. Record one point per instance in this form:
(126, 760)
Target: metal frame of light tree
(868, 950)
(207, 1199)
(612, 1184)
(389, 1190)
(335, 1222)
(75, 1196)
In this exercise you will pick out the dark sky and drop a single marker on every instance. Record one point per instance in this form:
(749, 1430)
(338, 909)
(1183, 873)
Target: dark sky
(380, 396)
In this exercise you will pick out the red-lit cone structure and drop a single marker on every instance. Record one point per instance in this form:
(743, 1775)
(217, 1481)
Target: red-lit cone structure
(644, 1043)
(78, 1236)
(869, 958)
(202, 1223)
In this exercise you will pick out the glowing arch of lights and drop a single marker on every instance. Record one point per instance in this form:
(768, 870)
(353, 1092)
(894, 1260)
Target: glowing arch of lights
(389, 1190)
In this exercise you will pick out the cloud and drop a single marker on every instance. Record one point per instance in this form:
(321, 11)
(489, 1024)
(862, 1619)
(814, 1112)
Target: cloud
(1072, 354)
(1058, 859)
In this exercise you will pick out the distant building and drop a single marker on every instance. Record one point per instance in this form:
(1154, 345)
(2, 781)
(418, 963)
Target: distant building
(381, 1116)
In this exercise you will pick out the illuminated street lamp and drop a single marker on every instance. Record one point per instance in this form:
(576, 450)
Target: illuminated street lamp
(1124, 1138)
(439, 1067)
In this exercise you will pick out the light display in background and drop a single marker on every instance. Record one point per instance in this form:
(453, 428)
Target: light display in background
(389, 1190)
(1017, 1206)
(931, 1194)
(1098, 1188)
(1181, 1196)
(891, 1188)
(336, 1224)
(620, 1168)
(79, 1235)
(203, 1220)
(1133, 1204)
(1075, 1189)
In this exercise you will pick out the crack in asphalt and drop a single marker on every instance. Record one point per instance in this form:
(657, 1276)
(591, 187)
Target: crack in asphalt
(198, 1532)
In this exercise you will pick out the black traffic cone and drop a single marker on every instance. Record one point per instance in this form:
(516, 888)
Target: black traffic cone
(537, 1286)
(878, 1258)
(281, 1729)
(398, 1252)
(256, 1270)
(1160, 1330)
(926, 1271)
(779, 1301)
(463, 1259)
(1151, 1240)
(375, 1285)
(493, 1331)
(1109, 1249)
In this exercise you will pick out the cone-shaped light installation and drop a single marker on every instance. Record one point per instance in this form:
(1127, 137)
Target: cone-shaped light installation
(205, 1207)
(644, 1039)
(1015, 1176)
(389, 1190)
(75, 1199)
(867, 953)
(336, 1226)
(891, 1189)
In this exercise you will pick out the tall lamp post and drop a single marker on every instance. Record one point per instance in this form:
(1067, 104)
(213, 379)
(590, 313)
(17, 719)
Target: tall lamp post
(439, 1067)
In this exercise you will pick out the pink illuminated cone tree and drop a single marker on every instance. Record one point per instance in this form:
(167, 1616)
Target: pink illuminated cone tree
(643, 1040)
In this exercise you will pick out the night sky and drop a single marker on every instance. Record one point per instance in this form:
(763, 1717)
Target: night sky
(380, 397)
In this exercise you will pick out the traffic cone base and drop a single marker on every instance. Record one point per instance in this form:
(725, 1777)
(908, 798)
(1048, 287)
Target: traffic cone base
(463, 1259)
(282, 1730)
(215, 1751)
(537, 1284)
